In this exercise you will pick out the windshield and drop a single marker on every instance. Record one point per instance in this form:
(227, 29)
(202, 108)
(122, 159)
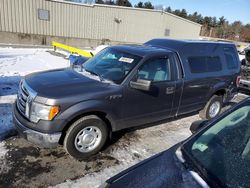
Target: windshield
(223, 150)
(111, 64)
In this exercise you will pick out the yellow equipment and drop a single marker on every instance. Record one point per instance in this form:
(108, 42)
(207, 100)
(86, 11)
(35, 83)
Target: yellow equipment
(72, 49)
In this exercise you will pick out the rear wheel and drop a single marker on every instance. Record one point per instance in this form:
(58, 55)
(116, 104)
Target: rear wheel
(85, 137)
(212, 108)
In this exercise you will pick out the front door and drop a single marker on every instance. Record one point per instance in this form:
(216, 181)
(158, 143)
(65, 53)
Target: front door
(141, 107)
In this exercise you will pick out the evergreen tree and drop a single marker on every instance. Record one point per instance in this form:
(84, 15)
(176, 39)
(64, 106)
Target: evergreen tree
(222, 21)
(124, 3)
(139, 5)
(168, 9)
(109, 2)
(148, 5)
(183, 13)
(99, 2)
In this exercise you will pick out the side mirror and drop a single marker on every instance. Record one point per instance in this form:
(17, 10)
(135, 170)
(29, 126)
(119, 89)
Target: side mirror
(197, 125)
(76, 62)
(141, 84)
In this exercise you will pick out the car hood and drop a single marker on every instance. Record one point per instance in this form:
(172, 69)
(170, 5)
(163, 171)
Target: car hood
(63, 83)
(162, 170)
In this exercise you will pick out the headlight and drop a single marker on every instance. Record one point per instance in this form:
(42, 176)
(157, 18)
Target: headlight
(40, 111)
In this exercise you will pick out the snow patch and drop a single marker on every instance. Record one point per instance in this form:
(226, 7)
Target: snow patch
(3, 151)
(7, 99)
(15, 63)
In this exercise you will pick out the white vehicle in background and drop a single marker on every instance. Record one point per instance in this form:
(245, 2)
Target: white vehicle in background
(99, 48)
(241, 49)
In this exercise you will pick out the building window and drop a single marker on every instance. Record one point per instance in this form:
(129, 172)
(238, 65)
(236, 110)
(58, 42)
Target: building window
(167, 32)
(43, 14)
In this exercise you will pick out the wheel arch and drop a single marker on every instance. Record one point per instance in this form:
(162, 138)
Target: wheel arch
(220, 92)
(102, 115)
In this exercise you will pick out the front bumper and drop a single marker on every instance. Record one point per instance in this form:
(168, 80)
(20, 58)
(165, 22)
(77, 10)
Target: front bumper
(42, 139)
(244, 84)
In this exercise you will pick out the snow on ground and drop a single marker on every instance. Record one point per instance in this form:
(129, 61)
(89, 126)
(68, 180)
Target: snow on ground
(3, 151)
(14, 64)
(242, 57)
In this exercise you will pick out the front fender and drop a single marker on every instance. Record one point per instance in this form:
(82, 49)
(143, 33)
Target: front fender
(87, 107)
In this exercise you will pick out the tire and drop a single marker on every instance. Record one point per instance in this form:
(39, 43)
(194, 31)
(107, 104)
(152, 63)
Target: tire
(85, 137)
(206, 113)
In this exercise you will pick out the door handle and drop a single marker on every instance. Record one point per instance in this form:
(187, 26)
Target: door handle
(169, 90)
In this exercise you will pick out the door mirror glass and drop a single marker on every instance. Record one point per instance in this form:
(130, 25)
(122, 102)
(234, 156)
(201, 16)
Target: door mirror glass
(197, 125)
(76, 62)
(141, 84)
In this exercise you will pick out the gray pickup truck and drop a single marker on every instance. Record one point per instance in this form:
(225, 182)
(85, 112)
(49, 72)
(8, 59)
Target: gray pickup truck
(125, 86)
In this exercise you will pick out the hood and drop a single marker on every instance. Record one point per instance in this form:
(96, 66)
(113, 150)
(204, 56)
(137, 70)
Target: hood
(63, 83)
(162, 170)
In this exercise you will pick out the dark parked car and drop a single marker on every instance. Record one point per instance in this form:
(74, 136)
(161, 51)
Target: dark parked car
(122, 87)
(217, 155)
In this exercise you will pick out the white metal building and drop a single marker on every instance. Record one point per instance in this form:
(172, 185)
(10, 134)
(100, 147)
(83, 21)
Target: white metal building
(41, 21)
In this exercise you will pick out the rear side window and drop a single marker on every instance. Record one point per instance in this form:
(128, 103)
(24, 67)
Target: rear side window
(231, 59)
(203, 64)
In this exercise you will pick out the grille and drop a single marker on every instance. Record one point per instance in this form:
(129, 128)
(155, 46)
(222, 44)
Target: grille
(22, 98)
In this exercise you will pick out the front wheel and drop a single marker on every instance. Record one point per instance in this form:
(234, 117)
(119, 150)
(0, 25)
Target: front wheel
(85, 137)
(212, 108)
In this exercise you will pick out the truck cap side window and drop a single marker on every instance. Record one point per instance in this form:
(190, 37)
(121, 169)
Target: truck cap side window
(231, 60)
(202, 64)
(155, 70)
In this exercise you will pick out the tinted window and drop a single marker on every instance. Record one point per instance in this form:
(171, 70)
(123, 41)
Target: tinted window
(213, 64)
(155, 70)
(231, 59)
(204, 64)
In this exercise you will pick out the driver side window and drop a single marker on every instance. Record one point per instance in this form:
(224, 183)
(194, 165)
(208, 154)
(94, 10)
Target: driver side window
(155, 70)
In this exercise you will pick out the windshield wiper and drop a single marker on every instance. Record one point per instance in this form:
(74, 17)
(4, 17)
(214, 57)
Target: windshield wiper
(94, 73)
